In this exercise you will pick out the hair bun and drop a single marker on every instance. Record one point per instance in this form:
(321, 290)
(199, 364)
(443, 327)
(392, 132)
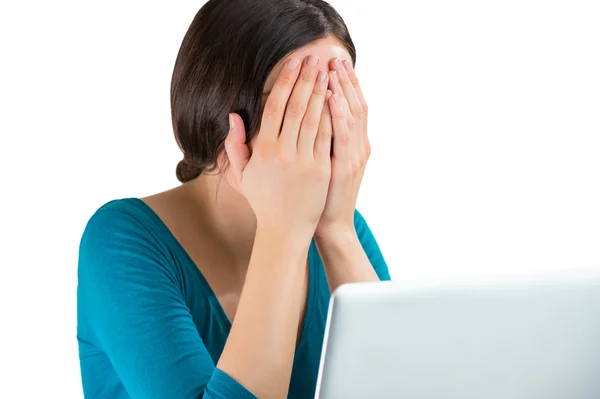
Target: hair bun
(187, 170)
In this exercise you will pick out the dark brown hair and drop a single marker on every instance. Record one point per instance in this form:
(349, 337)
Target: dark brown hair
(224, 61)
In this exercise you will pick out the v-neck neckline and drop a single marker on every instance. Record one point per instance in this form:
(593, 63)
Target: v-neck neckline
(311, 299)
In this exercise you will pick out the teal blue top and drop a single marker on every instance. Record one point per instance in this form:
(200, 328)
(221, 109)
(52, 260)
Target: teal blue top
(148, 323)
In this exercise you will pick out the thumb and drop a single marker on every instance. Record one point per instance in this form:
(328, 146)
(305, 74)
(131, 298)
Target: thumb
(235, 146)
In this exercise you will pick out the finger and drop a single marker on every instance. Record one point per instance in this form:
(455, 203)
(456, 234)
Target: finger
(354, 80)
(361, 97)
(342, 149)
(312, 119)
(355, 141)
(343, 103)
(324, 134)
(235, 146)
(348, 89)
(276, 102)
(336, 88)
(298, 104)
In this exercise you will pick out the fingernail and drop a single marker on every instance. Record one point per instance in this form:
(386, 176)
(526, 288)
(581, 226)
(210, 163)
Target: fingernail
(322, 76)
(231, 122)
(334, 76)
(338, 64)
(348, 65)
(293, 63)
(329, 93)
(313, 60)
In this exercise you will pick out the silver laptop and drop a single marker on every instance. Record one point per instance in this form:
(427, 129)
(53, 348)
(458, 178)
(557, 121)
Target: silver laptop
(520, 338)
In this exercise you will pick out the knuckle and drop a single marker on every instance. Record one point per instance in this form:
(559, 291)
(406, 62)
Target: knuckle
(362, 160)
(344, 138)
(365, 108)
(307, 75)
(273, 109)
(337, 114)
(286, 79)
(296, 109)
(357, 111)
(367, 150)
(310, 122)
(261, 152)
(323, 134)
(351, 123)
(354, 80)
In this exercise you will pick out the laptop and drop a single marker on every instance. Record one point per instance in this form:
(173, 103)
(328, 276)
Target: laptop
(535, 337)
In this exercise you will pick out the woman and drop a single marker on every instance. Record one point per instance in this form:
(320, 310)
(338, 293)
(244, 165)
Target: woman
(219, 288)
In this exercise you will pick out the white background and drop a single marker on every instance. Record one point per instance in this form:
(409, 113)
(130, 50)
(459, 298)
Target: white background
(485, 125)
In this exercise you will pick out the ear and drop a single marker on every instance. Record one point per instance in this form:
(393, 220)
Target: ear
(235, 146)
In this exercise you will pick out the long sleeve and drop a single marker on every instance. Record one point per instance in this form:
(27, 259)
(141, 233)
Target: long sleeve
(130, 304)
(370, 246)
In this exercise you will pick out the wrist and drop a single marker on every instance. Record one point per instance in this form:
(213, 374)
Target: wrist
(281, 237)
(336, 236)
(335, 230)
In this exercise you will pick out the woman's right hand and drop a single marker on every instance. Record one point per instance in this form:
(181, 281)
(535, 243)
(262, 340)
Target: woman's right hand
(286, 178)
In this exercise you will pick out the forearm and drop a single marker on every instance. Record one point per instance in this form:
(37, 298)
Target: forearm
(260, 349)
(344, 259)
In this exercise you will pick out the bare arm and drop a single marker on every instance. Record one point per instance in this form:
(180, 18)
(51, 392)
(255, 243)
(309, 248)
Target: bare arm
(344, 259)
(260, 350)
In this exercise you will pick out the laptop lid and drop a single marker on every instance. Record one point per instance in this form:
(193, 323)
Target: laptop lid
(532, 338)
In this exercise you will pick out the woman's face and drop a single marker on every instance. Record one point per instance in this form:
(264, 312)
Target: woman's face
(327, 49)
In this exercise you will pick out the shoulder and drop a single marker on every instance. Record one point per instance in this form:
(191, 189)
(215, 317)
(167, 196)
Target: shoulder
(119, 210)
(121, 232)
(128, 215)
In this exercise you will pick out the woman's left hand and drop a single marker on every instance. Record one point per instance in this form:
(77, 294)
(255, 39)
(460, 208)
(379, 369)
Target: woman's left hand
(350, 151)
